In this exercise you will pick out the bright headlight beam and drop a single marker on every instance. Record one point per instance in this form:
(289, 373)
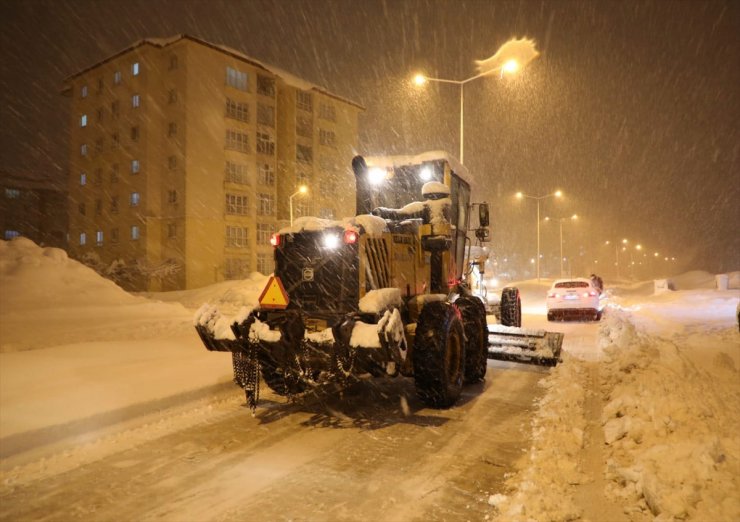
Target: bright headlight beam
(376, 175)
(331, 240)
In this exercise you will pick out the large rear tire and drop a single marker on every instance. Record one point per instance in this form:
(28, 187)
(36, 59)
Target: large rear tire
(511, 307)
(282, 380)
(476, 338)
(439, 359)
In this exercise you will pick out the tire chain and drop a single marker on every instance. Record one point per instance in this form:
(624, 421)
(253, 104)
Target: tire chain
(247, 374)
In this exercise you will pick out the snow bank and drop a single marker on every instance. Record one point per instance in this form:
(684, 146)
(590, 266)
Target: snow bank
(671, 425)
(49, 299)
(669, 394)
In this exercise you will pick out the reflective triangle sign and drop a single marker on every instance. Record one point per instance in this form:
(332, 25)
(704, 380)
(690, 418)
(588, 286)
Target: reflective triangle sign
(274, 295)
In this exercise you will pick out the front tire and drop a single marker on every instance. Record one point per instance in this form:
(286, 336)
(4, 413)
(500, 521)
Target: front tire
(439, 360)
(511, 307)
(476, 338)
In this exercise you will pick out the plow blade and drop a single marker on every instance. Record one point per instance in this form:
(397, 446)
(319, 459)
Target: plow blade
(523, 345)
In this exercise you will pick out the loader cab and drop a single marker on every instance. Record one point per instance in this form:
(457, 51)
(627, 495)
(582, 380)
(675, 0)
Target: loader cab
(397, 181)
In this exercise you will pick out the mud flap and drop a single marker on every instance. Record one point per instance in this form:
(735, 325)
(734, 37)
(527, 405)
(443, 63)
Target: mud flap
(523, 345)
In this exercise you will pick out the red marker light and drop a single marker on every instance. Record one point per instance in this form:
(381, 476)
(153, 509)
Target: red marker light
(275, 240)
(350, 237)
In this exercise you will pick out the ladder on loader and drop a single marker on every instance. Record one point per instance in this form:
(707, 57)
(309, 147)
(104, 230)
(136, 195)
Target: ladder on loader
(524, 345)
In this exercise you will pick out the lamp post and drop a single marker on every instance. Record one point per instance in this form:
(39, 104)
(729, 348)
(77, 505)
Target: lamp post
(509, 67)
(616, 253)
(560, 221)
(301, 190)
(522, 195)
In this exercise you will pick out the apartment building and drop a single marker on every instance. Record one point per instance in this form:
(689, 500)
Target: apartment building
(184, 155)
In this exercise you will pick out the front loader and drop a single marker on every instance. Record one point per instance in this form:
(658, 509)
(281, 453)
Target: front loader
(381, 293)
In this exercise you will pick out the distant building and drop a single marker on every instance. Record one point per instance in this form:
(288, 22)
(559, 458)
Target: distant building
(185, 153)
(33, 207)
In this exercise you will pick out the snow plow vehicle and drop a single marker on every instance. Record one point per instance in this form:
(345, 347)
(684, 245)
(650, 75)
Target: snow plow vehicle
(381, 293)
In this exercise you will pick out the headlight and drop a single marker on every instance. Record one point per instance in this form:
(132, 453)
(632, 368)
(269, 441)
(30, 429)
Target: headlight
(331, 240)
(376, 175)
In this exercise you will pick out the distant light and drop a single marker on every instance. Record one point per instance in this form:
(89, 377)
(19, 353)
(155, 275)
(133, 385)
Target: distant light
(510, 67)
(425, 174)
(638, 247)
(574, 216)
(303, 189)
(376, 175)
(331, 240)
(558, 193)
(420, 79)
(519, 195)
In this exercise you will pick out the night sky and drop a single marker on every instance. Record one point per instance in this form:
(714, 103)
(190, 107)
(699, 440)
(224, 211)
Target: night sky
(631, 109)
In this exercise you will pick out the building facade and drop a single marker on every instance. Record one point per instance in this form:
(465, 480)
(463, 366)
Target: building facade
(184, 155)
(33, 207)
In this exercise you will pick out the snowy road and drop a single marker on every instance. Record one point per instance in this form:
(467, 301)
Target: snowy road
(360, 455)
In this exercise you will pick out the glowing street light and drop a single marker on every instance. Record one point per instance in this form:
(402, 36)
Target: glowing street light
(522, 195)
(303, 189)
(509, 59)
(574, 217)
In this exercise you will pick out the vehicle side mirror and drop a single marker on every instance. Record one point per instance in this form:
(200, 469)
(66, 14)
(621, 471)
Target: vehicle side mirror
(483, 215)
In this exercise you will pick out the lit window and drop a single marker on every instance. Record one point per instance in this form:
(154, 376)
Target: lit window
(10, 234)
(83, 238)
(236, 79)
(135, 100)
(117, 77)
(134, 232)
(83, 91)
(134, 166)
(99, 238)
(83, 178)
(83, 149)
(83, 120)
(134, 199)
(11, 193)
(135, 69)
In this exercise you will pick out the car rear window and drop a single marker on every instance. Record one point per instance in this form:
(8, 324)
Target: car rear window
(572, 284)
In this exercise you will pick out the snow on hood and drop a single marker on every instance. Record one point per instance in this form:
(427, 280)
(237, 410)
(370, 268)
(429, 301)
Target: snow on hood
(373, 225)
(434, 187)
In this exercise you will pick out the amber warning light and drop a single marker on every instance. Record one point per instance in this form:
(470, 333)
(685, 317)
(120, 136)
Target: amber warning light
(274, 295)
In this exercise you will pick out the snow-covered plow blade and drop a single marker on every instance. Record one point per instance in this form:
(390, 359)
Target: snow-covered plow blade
(524, 345)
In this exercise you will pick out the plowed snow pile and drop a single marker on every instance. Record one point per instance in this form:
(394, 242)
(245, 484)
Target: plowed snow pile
(668, 440)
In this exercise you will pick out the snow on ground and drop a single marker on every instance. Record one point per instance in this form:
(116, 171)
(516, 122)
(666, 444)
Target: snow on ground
(669, 386)
(74, 345)
(661, 395)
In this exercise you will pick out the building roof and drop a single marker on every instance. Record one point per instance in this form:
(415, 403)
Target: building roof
(287, 77)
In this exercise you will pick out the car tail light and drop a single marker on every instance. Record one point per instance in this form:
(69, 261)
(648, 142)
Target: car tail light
(593, 294)
(553, 295)
(589, 294)
(350, 237)
(275, 240)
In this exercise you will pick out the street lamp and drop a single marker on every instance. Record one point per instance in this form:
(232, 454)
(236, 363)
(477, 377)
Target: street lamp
(509, 59)
(522, 195)
(301, 190)
(560, 220)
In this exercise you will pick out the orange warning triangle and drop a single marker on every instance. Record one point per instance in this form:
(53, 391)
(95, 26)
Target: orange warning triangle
(274, 295)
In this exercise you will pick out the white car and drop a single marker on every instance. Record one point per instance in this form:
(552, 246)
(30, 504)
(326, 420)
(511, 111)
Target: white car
(573, 298)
